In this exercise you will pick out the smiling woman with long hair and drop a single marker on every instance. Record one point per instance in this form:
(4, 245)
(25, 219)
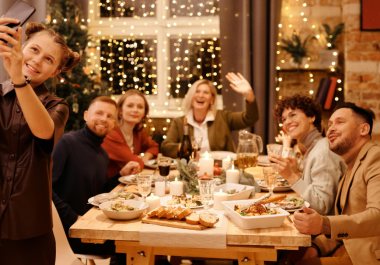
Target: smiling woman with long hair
(128, 141)
(301, 117)
(31, 123)
(206, 122)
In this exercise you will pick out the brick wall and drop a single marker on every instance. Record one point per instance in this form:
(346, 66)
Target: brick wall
(362, 61)
(359, 51)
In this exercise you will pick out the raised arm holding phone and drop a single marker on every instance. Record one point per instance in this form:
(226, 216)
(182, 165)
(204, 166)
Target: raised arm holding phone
(31, 122)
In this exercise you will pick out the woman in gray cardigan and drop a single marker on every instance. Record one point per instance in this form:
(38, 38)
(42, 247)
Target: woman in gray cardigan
(301, 117)
(206, 122)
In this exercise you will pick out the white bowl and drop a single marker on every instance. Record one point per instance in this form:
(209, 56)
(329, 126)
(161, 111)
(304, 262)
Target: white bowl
(124, 215)
(238, 196)
(253, 222)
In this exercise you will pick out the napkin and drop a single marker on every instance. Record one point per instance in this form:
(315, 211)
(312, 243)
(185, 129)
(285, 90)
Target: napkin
(248, 179)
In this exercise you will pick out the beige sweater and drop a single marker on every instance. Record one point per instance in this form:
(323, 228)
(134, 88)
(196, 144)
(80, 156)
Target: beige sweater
(219, 130)
(322, 171)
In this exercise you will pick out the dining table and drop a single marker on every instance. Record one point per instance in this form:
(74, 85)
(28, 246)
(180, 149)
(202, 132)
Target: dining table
(248, 247)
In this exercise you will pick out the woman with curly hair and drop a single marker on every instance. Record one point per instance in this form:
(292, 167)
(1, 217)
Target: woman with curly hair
(128, 140)
(31, 122)
(301, 117)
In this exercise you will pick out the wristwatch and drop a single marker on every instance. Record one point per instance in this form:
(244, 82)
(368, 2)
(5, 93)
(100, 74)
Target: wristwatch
(22, 85)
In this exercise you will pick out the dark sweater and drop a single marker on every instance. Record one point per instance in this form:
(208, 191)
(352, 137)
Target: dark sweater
(79, 173)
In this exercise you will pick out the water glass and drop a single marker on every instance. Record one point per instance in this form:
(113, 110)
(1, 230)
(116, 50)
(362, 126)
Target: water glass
(275, 149)
(144, 185)
(206, 190)
(270, 177)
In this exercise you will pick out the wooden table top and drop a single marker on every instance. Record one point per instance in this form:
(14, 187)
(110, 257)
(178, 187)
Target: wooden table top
(94, 225)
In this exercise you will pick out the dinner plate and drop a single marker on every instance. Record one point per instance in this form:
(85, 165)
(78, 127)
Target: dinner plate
(132, 179)
(95, 203)
(170, 197)
(153, 164)
(220, 155)
(276, 189)
(296, 208)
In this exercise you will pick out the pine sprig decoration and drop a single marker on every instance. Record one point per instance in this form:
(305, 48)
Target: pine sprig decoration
(332, 35)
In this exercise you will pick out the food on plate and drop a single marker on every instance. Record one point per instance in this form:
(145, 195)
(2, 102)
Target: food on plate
(207, 219)
(259, 209)
(234, 191)
(280, 183)
(119, 206)
(288, 203)
(182, 199)
(192, 219)
(155, 163)
(131, 188)
(124, 195)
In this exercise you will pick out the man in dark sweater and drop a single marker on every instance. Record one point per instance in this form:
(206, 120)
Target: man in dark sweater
(80, 170)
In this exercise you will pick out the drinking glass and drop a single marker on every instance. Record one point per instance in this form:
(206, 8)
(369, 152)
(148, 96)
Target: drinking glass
(196, 144)
(144, 184)
(164, 166)
(275, 149)
(270, 177)
(206, 190)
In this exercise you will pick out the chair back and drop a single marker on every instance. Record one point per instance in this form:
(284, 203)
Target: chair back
(64, 253)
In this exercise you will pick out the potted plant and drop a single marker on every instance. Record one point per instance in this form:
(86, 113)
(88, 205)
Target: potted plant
(297, 49)
(329, 57)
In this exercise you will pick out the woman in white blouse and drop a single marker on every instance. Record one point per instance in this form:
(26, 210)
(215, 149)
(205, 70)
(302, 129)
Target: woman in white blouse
(206, 122)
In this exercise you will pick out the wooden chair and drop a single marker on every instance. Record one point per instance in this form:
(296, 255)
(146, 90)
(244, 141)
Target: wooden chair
(64, 253)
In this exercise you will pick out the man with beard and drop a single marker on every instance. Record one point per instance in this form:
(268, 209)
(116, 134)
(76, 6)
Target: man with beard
(80, 171)
(352, 236)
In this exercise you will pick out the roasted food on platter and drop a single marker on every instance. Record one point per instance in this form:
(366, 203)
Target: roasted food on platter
(119, 206)
(289, 203)
(124, 195)
(183, 214)
(234, 191)
(182, 199)
(259, 209)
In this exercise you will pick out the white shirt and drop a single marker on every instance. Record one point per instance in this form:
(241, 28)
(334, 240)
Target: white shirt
(201, 131)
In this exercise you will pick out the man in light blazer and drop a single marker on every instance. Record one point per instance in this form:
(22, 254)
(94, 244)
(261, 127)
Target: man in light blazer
(352, 235)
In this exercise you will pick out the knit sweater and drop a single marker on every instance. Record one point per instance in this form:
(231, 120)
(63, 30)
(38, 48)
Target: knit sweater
(79, 173)
(322, 172)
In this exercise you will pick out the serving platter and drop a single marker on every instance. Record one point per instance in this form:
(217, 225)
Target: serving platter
(165, 199)
(128, 180)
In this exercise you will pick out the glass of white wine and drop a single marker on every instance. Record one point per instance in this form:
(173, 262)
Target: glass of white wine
(144, 184)
(206, 190)
(270, 177)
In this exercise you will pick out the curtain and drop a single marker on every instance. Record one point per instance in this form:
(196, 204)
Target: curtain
(248, 36)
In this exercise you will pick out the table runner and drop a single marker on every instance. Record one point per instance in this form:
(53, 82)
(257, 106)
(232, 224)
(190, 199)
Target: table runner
(156, 235)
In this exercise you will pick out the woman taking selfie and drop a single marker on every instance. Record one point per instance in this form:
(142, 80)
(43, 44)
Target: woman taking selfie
(206, 122)
(301, 117)
(128, 141)
(31, 122)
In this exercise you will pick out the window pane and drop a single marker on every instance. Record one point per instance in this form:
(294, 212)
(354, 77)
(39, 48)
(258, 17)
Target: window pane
(129, 63)
(194, 8)
(128, 8)
(193, 59)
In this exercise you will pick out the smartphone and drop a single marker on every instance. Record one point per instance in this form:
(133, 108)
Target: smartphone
(21, 11)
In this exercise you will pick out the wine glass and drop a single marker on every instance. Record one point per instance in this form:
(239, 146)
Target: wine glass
(144, 184)
(164, 166)
(275, 149)
(196, 144)
(270, 177)
(206, 190)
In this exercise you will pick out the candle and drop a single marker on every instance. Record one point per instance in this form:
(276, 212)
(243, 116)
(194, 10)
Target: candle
(206, 165)
(226, 163)
(232, 175)
(176, 187)
(206, 154)
(160, 188)
(153, 201)
(220, 197)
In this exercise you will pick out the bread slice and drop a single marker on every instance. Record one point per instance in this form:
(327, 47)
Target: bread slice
(192, 219)
(177, 210)
(207, 219)
(154, 212)
(184, 213)
(173, 213)
(163, 212)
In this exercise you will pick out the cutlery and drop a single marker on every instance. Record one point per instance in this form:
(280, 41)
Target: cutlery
(256, 202)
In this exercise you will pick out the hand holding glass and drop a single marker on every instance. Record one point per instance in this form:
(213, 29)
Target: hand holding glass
(196, 144)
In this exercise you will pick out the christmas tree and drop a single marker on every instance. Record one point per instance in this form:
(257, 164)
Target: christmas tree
(80, 86)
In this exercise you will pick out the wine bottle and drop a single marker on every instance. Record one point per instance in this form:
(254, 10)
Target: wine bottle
(186, 148)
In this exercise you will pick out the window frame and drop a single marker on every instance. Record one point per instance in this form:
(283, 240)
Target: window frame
(198, 26)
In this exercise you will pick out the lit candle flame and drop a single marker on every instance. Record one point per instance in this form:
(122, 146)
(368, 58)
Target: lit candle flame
(175, 179)
(220, 191)
(206, 155)
(228, 157)
(232, 167)
(152, 195)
